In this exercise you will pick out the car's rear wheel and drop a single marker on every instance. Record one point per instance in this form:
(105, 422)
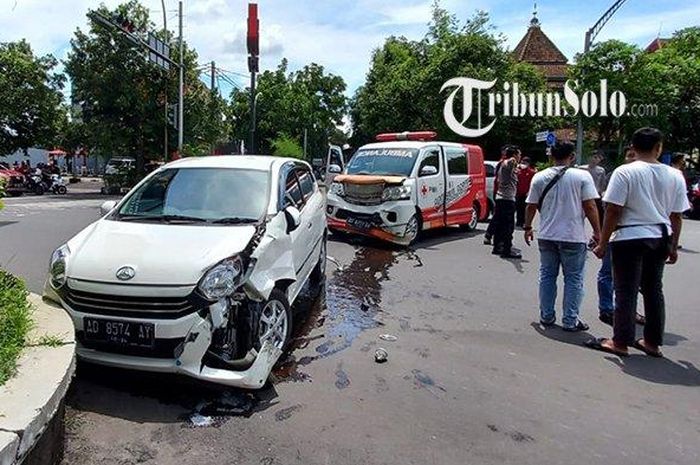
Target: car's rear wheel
(474, 220)
(275, 322)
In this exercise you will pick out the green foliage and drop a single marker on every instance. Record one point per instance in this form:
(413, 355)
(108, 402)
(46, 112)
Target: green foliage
(668, 78)
(30, 96)
(285, 146)
(402, 87)
(2, 192)
(289, 103)
(15, 322)
(121, 95)
(50, 340)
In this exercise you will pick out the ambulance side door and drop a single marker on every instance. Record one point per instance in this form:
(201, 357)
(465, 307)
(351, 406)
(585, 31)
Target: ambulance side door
(430, 187)
(457, 206)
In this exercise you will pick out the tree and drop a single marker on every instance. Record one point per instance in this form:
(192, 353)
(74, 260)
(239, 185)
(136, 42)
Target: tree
(285, 146)
(121, 95)
(30, 92)
(402, 90)
(668, 78)
(291, 103)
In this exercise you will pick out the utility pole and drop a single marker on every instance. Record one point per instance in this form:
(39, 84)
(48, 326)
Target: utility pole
(180, 107)
(590, 37)
(213, 76)
(165, 106)
(305, 141)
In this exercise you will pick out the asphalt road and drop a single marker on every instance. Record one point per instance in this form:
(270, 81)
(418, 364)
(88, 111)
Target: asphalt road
(471, 379)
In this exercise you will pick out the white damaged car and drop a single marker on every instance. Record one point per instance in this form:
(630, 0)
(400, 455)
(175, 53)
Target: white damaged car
(194, 270)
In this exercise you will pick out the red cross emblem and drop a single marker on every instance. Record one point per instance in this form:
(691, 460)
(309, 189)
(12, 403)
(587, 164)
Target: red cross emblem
(424, 190)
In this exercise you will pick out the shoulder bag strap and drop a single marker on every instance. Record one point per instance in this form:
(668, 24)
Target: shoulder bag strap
(549, 186)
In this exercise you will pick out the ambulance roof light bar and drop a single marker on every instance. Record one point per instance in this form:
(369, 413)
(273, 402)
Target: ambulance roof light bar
(415, 136)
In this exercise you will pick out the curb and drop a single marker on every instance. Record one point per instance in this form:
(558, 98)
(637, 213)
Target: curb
(30, 400)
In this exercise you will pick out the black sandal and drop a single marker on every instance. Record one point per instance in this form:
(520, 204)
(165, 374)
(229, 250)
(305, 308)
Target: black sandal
(651, 353)
(597, 344)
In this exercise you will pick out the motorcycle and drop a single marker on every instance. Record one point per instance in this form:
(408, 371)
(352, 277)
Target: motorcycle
(36, 184)
(58, 186)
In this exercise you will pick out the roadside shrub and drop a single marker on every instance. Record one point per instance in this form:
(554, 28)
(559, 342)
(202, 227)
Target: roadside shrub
(2, 191)
(15, 322)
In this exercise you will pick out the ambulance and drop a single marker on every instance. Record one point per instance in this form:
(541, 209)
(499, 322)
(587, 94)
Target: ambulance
(406, 183)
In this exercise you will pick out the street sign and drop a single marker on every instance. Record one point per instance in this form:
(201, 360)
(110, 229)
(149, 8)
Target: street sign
(541, 136)
(551, 139)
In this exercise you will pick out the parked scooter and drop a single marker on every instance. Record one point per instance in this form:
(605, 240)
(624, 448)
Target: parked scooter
(58, 186)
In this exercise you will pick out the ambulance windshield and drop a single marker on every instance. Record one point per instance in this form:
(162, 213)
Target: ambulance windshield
(383, 162)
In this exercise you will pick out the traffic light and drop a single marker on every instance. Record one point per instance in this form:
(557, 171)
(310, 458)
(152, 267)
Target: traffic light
(253, 37)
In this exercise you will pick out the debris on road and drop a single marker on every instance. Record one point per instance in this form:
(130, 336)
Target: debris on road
(381, 355)
(388, 337)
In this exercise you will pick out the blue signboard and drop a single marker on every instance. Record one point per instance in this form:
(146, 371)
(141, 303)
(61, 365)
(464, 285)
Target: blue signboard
(551, 139)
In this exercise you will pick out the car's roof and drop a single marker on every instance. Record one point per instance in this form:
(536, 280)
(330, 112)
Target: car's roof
(251, 162)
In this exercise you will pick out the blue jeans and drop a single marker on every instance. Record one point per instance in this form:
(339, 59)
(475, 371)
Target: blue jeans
(571, 257)
(605, 285)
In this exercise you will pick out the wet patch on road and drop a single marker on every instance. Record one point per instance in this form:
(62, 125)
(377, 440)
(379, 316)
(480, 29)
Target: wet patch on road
(349, 304)
(423, 381)
(217, 411)
(286, 413)
(342, 380)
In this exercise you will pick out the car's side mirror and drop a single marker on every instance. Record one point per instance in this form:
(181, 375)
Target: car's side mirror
(334, 169)
(293, 217)
(107, 207)
(428, 170)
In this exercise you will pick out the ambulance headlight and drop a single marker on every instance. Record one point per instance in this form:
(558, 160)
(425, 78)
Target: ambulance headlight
(338, 189)
(396, 193)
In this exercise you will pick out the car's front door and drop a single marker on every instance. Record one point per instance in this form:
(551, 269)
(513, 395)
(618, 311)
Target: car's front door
(334, 159)
(430, 187)
(457, 206)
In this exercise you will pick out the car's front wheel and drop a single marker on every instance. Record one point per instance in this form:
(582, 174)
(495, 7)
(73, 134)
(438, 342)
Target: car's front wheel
(275, 321)
(318, 275)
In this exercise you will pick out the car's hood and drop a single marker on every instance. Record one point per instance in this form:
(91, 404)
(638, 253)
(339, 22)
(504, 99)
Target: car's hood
(368, 179)
(162, 254)
(7, 172)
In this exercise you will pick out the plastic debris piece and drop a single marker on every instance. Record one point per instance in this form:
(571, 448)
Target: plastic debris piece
(381, 355)
(388, 337)
(200, 421)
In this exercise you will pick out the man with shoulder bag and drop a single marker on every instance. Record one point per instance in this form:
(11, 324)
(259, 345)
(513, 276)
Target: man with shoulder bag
(565, 197)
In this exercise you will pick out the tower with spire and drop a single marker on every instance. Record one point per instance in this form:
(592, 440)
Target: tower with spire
(539, 50)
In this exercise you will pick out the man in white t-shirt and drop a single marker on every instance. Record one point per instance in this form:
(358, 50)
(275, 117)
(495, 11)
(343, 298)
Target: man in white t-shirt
(644, 200)
(565, 197)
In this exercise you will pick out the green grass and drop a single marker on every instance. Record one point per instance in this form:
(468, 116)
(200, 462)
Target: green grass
(15, 323)
(49, 340)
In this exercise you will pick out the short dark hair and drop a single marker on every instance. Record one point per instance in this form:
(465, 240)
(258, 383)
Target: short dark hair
(512, 150)
(563, 150)
(526, 160)
(677, 157)
(505, 148)
(645, 139)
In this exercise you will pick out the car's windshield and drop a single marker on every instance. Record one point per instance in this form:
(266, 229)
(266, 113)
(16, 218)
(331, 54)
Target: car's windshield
(211, 195)
(383, 161)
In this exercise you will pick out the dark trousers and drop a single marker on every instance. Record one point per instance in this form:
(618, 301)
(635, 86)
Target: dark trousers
(520, 210)
(638, 264)
(504, 218)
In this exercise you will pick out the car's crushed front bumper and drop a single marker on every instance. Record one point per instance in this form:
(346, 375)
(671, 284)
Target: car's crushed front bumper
(386, 221)
(181, 347)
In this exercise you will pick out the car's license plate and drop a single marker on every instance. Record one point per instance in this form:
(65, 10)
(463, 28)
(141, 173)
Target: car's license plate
(359, 223)
(119, 332)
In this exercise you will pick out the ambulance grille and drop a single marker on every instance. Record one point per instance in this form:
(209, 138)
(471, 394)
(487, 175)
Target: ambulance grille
(364, 194)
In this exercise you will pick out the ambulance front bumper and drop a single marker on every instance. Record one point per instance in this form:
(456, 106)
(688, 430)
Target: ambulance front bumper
(386, 221)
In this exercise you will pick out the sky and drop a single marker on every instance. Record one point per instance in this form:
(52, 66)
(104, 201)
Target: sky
(340, 35)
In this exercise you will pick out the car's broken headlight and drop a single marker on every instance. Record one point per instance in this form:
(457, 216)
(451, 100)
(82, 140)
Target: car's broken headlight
(338, 189)
(222, 279)
(57, 266)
